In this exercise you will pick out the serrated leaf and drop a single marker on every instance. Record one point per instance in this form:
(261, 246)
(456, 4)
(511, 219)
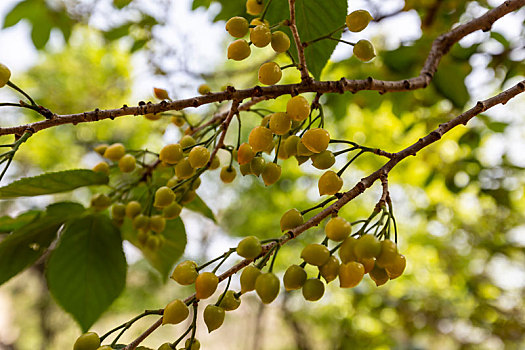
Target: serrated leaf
(49, 183)
(165, 257)
(198, 205)
(87, 270)
(26, 244)
(9, 224)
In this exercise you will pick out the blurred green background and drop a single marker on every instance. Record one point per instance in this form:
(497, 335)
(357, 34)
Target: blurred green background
(459, 204)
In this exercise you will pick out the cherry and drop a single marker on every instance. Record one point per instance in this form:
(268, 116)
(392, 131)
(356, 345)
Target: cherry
(249, 247)
(291, 219)
(364, 50)
(175, 312)
(330, 270)
(237, 26)
(298, 108)
(248, 277)
(213, 317)
(254, 7)
(205, 285)
(199, 157)
(102, 167)
(350, 274)
(316, 140)
(115, 152)
(267, 287)
(185, 273)
(271, 173)
(5, 75)
(228, 174)
(230, 301)
(315, 254)
(280, 123)
(87, 341)
(127, 163)
(358, 20)
(329, 183)
(280, 41)
(294, 277)
(260, 36)
(338, 229)
(270, 73)
(313, 289)
(133, 209)
(260, 138)
(239, 50)
(171, 154)
(323, 160)
(245, 154)
(164, 196)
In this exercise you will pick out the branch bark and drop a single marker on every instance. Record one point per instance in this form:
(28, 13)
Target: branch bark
(439, 48)
(305, 77)
(365, 183)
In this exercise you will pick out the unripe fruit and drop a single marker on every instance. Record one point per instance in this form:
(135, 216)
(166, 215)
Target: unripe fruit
(153, 242)
(396, 267)
(315, 254)
(367, 247)
(152, 116)
(248, 277)
(100, 201)
(175, 312)
(350, 274)
(257, 21)
(245, 154)
(249, 247)
(260, 36)
(270, 73)
(378, 275)
(338, 229)
(228, 174)
(127, 163)
(294, 277)
(204, 89)
(185, 273)
(302, 151)
(358, 20)
(215, 163)
(172, 211)
(301, 159)
(118, 211)
(165, 346)
(142, 237)
(364, 50)
(298, 108)
(178, 121)
(271, 173)
(313, 289)
(239, 50)
(187, 141)
(280, 41)
(5, 75)
(245, 169)
(368, 264)
(115, 152)
(280, 123)
(164, 196)
(213, 317)
(157, 223)
(237, 26)
(87, 341)
(282, 152)
(161, 94)
(257, 165)
(316, 140)
(323, 160)
(267, 287)
(205, 285)
(184, 170)
(330, 270)
(387, 253)
(105, 347)
(171, 154)
(133, 209)
(329, 183)
(254, 7)
(346, 251)
(102, 167)
(195, 345)
(291, 219)
(260, 138)
(290, 145)
(199, 157)
(141, 222)
(230, 301)
(100, 149)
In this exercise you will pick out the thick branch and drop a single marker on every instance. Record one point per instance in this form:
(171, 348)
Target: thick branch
(440, 47)
(365, 183)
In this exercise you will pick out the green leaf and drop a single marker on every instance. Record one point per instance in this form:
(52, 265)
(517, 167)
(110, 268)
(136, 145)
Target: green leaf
(22, 10)
(87, 270)
(198, 205)
(41, 32)
(449, 81)
(26, 244)
(49, 183)
(118, 32)
(9, 224)
(165, 257)
(314, 19)
(403, 59)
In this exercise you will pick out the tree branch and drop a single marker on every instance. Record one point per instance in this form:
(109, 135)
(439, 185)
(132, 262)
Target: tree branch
(365, 183)
(305, 77)
(439, 48)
